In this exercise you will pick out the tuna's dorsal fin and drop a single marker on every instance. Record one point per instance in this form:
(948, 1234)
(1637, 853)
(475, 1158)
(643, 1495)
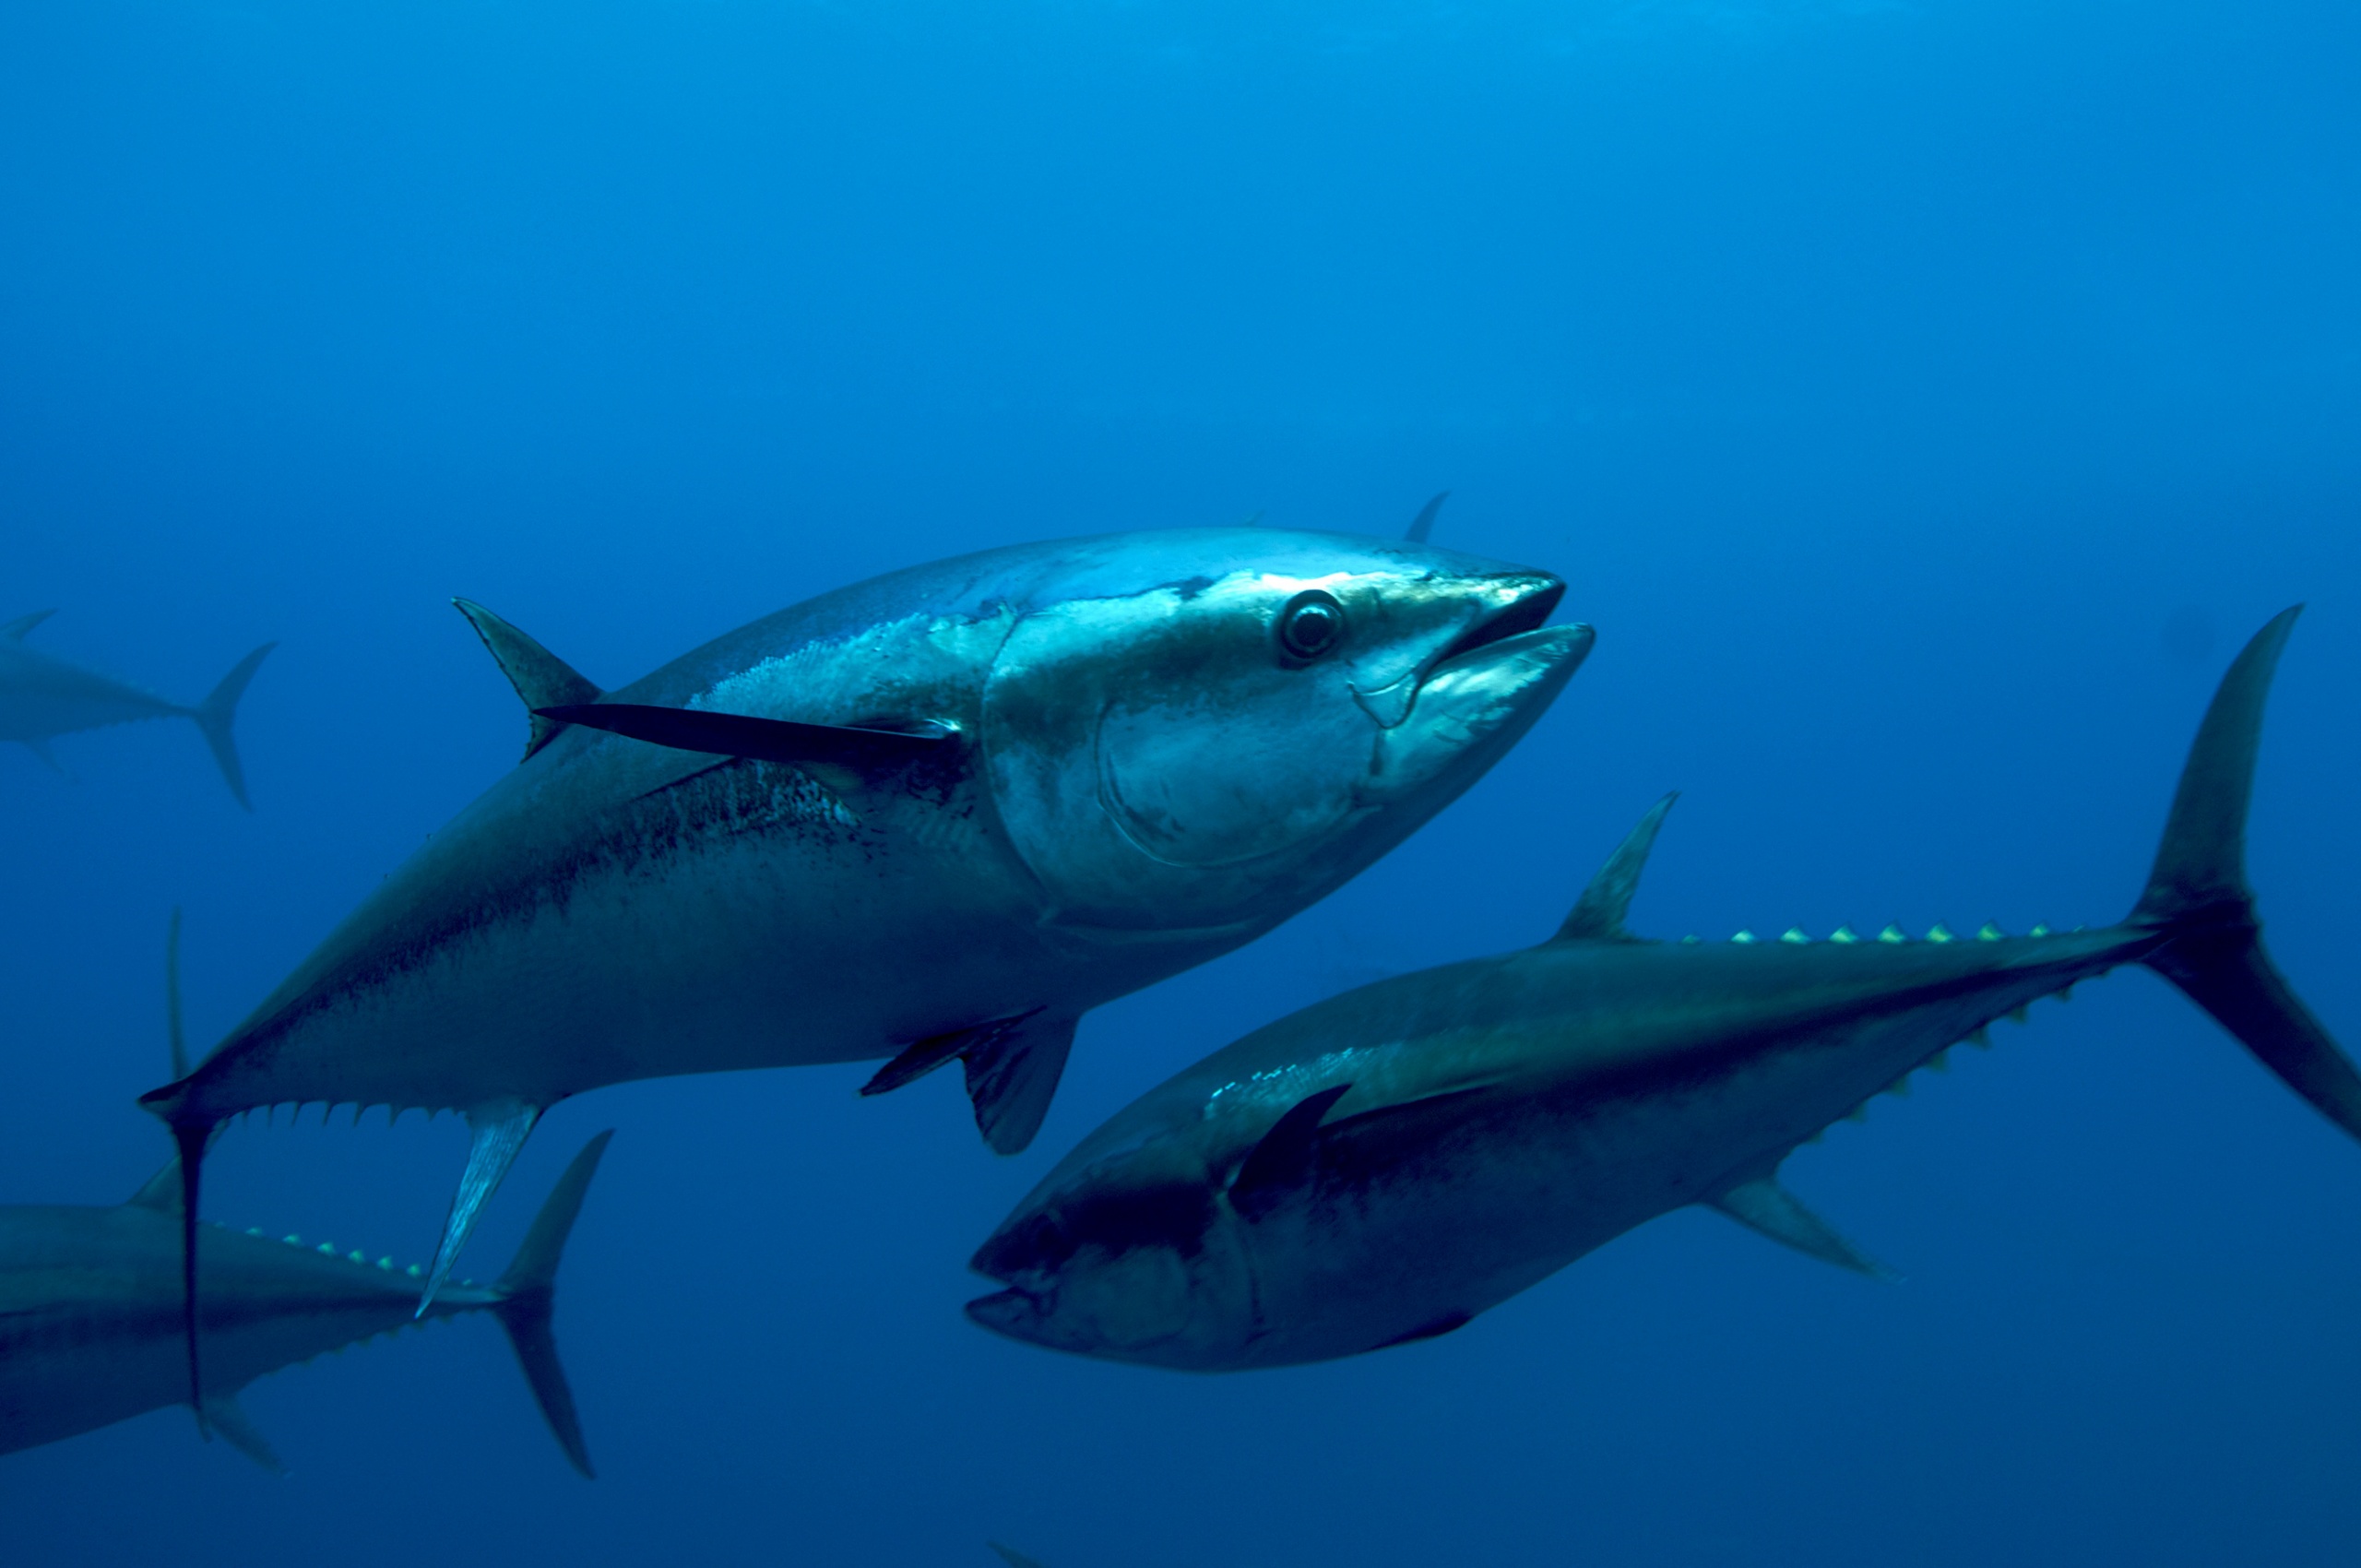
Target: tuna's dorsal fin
(161, 1191)
(1283, 1161)
(1424, 523)
(1763, 1204)
(1013, 1064)
(1598, 914)
(540, 677)
(224, 1415)
(15, 630)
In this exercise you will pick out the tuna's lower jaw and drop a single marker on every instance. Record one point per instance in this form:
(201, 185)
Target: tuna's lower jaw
(1009, 1312)
(1474, 707)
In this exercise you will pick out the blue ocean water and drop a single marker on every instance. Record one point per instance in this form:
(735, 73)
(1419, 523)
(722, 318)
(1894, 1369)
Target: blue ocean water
(1923, 401)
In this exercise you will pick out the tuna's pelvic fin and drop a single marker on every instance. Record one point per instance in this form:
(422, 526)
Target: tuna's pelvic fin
(15, 630)
(528, 1291)
(1764, 1206)
(40, 748)
(1598, 914)
(1013, 1065)
(1284, 1160)
(540, 677)
(224, 1414)
(764, 740)
(501, 1127)
(1423, 524)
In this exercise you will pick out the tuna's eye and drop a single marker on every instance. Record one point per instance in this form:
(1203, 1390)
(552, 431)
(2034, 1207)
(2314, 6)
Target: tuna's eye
(1311, 623)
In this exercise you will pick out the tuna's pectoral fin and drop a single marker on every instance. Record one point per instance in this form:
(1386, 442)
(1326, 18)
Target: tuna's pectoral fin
(540, 677)
(764, 740)
(1013, 1064)
(224, 1415)
(1764, 1206)
(1285, 1160)
(501, 1128)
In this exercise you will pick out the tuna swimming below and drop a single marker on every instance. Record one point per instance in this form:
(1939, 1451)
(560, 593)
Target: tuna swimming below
(43, 697)
(943, 814)
(90, 1330)
(1384, 1165)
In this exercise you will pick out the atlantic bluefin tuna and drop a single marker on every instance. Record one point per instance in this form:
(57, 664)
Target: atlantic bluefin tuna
(1384, 1165)
(43, 697)
(90, 1303)
(938, 816)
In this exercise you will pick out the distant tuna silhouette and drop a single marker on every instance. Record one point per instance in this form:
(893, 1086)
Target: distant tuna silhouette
(43, 697)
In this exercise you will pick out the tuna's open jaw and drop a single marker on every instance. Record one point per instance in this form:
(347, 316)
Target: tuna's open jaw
(1536, 595)
(1010, 1313)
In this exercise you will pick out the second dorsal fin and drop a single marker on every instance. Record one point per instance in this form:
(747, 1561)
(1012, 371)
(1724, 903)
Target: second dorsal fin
(1598, 914)
(540, 677)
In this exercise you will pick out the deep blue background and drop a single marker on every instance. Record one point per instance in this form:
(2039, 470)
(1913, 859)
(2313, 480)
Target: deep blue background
(1923, 399)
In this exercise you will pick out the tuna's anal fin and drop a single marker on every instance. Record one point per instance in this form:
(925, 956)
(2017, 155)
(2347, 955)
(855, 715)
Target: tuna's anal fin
(500, 1127)
(1012, 1066)
(15, 630)
(1286, 1159)
(540, 677)
(1597, 915)
(1763, 1204)
(225, 1415)
(528, 1292)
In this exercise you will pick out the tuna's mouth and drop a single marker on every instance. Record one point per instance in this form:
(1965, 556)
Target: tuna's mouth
(1523, 613)
(1520, 602)
(1016, 1314)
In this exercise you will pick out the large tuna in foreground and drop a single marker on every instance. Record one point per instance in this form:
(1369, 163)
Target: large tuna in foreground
(943, 812)
(90, 1328)
(1384, 1165)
